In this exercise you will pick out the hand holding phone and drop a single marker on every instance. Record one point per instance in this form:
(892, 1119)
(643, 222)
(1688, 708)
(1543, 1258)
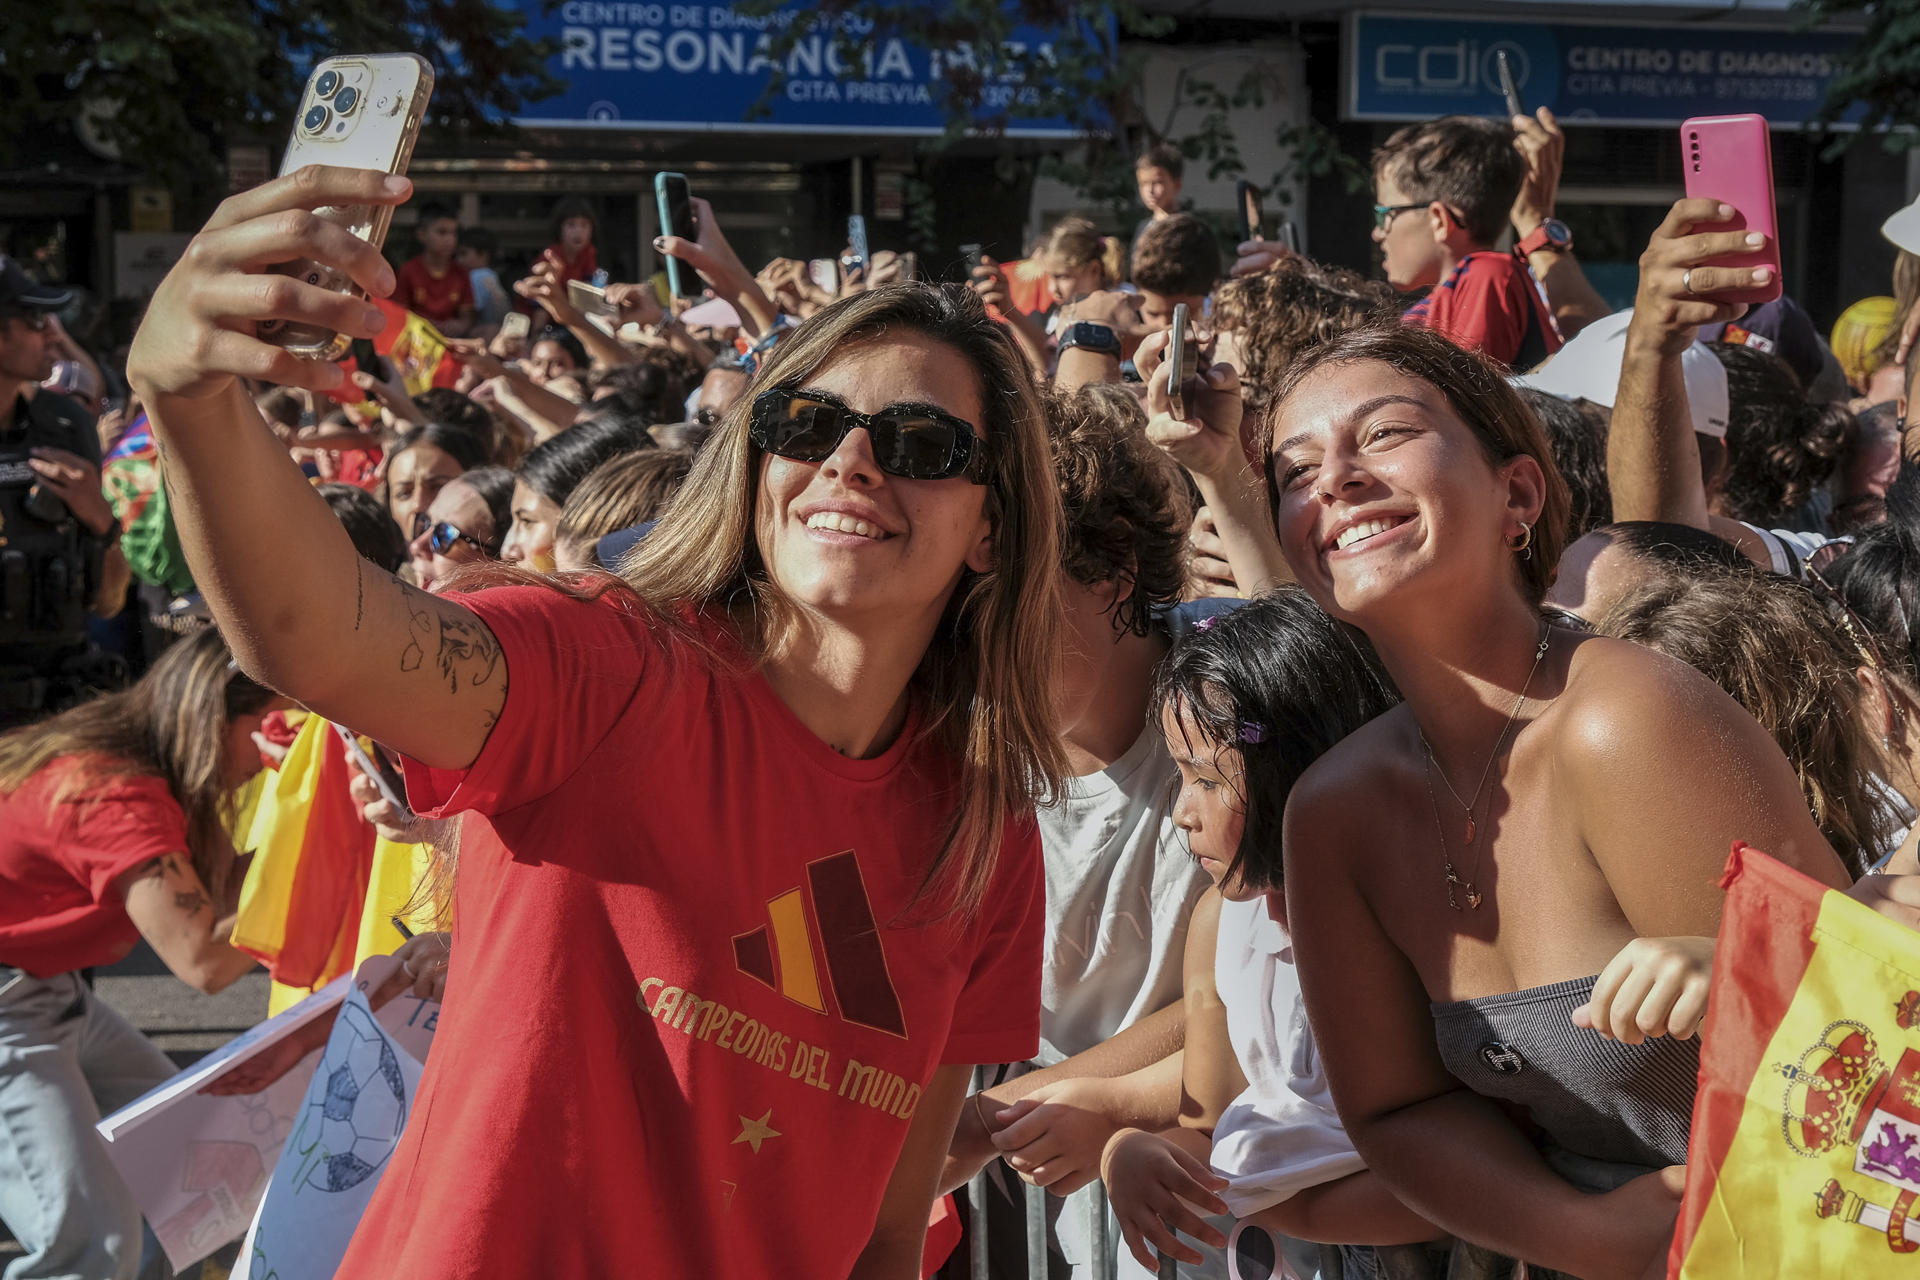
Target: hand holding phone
(590, 300)
(1290, 236)
(857, 254)
(1183, 360)
(675, 201)
(1730, 159)
(357, 112)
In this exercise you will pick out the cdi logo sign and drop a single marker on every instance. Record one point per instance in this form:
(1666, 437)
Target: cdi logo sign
(1464, 67)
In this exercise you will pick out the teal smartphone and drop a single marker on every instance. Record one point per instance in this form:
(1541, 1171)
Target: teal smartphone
(676, 219)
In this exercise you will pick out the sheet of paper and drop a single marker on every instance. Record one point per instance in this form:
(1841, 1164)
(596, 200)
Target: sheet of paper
(356, 1107)
(197, 1163)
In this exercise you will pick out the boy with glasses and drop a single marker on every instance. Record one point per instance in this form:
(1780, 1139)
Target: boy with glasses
(1444, 190)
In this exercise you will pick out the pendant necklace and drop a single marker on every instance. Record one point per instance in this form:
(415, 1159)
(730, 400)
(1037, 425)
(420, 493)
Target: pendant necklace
(1454, 879)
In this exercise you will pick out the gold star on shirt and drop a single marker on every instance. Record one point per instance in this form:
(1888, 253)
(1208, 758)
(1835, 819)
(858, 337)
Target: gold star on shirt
(755, 1132)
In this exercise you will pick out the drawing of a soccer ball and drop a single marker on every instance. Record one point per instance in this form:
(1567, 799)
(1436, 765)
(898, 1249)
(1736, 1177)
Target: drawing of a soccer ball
(349, 1130)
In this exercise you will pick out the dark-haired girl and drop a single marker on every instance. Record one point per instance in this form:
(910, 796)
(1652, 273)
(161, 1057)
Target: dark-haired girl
(112, 829)
(1461, 869)
(1247, 704)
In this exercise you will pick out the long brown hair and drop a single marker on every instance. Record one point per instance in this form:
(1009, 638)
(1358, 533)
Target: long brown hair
(1477, 391)
(984, 686)
(1769, 642)
(171, 725)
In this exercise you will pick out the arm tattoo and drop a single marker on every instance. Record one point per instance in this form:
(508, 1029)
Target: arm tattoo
(462, 646)
(191, 903)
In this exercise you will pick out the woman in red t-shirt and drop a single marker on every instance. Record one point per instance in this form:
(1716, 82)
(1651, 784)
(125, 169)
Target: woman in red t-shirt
(749, 878)
(112, 828)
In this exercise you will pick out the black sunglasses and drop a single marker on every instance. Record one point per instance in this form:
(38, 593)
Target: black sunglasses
(441, 536)
(912, 441)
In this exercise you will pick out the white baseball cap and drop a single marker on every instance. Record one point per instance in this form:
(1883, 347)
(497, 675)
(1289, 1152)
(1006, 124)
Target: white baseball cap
(1903, 228)
(1588, 368)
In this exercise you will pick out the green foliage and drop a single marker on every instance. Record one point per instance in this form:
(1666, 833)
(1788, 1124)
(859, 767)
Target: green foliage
(1881, 71)
(169, 82)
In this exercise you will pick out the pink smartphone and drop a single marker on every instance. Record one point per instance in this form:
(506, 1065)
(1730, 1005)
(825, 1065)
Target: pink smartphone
(1730, 159)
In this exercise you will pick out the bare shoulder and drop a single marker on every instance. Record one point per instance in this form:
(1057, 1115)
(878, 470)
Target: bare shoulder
(1623, 696)
(1338, 800)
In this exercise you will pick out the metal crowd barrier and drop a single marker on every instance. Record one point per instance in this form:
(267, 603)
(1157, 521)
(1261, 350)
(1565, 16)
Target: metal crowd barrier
(1101, 1225)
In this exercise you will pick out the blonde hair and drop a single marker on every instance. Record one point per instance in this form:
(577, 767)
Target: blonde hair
(1078, 243)
(985, 684)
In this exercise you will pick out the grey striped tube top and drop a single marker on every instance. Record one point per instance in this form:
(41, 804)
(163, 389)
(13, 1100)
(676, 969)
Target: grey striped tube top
(1625, 1104)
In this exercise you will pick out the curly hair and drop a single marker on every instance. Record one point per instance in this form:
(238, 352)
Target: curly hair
(1780, 448)
(1467, 163)
(1279, 314)
(1177, 256)
(1126, 504)
(1771, 644)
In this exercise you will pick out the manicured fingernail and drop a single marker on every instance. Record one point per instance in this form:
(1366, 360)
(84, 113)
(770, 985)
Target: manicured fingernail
(1763, 275)
(1726, 211)
(660, 243)
(1755, 238)
(396, 184)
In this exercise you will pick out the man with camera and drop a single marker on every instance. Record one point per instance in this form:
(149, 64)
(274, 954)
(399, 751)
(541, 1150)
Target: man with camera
(55, 524)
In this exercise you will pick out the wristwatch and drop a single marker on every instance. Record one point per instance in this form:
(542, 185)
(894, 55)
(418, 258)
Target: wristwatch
(1551, 234)
(1088, 336)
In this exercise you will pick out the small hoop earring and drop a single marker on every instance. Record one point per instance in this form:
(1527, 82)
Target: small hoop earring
(1523, 545)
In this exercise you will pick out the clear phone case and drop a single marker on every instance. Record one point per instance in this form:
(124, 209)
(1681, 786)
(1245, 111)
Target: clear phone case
(358, 112)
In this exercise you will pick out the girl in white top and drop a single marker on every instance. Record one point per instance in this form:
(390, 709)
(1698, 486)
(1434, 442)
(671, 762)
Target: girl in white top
(1247, 704)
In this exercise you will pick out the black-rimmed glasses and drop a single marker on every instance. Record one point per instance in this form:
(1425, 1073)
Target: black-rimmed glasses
(912, 441)
(441, 535)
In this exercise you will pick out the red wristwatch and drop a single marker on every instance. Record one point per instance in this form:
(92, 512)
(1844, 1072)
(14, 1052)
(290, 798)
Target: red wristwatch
(1551, 234)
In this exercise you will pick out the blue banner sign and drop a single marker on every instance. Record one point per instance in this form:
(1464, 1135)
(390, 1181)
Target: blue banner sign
(633, 64)
(1407, 68)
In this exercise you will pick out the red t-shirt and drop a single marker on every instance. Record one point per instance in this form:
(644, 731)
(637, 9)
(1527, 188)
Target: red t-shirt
(59, 909)
(579, 267)
(1489, 303)
(685, 1031)
(437, 297)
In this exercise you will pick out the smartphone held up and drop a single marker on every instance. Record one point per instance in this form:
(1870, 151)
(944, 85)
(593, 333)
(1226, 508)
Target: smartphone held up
(360, 111)
(1730, 159)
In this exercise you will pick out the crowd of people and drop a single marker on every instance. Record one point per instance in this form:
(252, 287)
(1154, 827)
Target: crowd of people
(858, 735)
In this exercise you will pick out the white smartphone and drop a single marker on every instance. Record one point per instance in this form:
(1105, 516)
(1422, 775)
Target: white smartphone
(590, 299)
(361, 111)
(393, 788)
(1184, 361)
(516, 324)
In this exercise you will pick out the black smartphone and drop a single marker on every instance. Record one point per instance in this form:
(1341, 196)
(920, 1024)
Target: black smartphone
(675, 201)
(857, 255)
(1290, 235)
(1183, 362)
(971, 254)
(1249, 206)
(1508, 89)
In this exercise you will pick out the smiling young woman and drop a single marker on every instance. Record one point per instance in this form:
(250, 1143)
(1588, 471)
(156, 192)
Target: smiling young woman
(1470, 860)
(751, 878)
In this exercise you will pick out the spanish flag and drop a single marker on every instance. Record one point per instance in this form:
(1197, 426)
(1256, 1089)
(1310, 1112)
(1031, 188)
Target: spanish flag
(1804, 1159)
(419, 353)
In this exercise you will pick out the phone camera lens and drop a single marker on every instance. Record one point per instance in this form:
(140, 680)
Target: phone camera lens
(327, 83)
(349, 99)
(316, 119)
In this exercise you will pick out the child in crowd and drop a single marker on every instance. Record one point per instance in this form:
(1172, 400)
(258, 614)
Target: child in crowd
(1245, 706)
(1175, 259)
(572, 252)
(431, 284)
(1118, 893)
(1158, 174)
(1444, 190)
(491, 301)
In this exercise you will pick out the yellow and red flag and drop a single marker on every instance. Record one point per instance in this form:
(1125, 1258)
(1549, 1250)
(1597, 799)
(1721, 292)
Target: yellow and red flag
(1804, 1158)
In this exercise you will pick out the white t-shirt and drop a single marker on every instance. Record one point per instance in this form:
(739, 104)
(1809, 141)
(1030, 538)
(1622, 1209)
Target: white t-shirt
(1120, 889)
(1282, 1134)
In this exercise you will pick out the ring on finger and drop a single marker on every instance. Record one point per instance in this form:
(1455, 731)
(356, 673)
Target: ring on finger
(1686, 280)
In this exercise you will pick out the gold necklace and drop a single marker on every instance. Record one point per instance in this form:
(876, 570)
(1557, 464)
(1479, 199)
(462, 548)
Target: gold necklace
(1454, 879)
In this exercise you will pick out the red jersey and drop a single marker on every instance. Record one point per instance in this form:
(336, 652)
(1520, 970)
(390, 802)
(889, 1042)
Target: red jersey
(437, 297)
(685, 1029)
(1489, 303)
(59, 907)
(580, 267)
